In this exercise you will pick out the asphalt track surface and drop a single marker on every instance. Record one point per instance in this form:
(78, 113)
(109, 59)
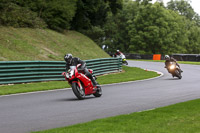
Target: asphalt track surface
(45, 110)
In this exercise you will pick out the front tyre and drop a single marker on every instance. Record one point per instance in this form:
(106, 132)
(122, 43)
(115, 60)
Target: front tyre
(126, 63)
(98, 93)
(178, 74)
(80, 93)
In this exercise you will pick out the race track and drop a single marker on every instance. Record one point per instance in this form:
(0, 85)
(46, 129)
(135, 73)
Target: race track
(45, 110)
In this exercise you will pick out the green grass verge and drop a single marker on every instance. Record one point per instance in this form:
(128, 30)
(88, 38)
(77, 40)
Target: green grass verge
(180, 62)
(178, 118)
(17, 44)
(129, 74)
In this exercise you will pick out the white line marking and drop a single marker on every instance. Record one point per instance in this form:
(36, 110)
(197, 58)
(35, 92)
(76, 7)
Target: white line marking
(161, 74)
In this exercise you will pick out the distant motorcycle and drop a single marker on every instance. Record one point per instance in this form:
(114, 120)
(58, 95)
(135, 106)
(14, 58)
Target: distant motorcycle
(124, 61)
(81, 84)
(174, 70)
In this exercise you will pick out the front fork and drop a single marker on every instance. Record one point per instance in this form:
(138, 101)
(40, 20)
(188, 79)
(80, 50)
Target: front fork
(79, 84)
(80, 87)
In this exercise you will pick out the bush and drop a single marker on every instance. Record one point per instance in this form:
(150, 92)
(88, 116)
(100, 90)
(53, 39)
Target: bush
(56, 13)
(13, 15)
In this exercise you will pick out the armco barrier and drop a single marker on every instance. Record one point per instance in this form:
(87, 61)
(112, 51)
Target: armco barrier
(187, 57)
(178, 57)
(32, 71)
(135, 56)
(138, 56)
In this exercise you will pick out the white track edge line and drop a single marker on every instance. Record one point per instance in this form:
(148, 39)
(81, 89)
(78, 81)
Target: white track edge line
(161, 74)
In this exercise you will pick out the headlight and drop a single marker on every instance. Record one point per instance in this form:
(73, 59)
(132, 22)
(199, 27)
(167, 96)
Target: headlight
(70, 74)
(172, 67)
(67, 75)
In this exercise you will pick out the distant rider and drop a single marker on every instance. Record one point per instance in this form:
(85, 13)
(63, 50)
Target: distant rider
(74, 61)
(169, 59)
(118, 53)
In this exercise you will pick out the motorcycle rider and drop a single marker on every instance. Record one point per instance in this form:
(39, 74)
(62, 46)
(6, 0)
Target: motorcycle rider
(74, 61)
(169, 59)
(118, 53)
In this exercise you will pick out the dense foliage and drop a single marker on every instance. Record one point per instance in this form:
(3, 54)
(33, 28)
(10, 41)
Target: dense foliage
(131, 26)
(54, 14)
(12, 14)
(146, 28)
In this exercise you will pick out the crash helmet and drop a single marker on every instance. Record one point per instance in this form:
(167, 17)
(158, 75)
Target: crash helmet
(68, 58)
(167, 57)
(118, 50)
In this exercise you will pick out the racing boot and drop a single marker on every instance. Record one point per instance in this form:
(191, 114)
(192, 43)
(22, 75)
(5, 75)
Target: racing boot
(180, 70)
(95, 82)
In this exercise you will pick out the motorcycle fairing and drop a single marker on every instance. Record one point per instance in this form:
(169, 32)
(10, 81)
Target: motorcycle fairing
(87, 83)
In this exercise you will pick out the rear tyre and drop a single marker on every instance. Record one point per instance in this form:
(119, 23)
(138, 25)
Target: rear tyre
(79, 93)
(98, 93)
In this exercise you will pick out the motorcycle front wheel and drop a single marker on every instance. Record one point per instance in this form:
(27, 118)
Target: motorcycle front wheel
(79, 93)
(126, 63)
(178, 74)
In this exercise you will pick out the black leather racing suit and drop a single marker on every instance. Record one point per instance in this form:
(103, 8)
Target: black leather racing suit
(74, 62)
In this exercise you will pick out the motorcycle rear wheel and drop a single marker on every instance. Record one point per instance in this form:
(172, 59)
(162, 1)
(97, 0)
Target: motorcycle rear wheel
(79, 93)
(98, 93)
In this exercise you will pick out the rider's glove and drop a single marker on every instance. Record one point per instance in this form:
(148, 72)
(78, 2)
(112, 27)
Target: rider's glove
(64, 73)
(82, 67)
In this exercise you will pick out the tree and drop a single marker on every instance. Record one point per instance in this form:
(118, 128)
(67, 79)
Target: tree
(183, 7)
(193, 33)
(156, 30)
(116, 27)
(56, 13)
(91, 17)
(12, 14)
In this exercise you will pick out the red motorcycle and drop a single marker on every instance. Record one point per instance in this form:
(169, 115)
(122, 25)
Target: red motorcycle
(81, 84)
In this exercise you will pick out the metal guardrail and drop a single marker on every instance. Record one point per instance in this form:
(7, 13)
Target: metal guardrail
(187, 57)
(33, 71)
(178, 57)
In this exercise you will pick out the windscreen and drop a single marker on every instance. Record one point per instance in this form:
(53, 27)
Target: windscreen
(72, 67)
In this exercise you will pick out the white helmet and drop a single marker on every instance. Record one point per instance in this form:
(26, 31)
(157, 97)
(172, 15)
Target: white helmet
(167, 57)
(118, 50)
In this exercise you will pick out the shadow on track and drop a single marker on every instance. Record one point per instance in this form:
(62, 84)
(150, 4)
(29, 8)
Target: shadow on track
(73, 99)
(172, 78)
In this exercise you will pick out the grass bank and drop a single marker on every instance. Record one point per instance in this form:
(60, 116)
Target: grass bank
(180, 62)
(178, 118)
(129, 74)
(17, 44)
